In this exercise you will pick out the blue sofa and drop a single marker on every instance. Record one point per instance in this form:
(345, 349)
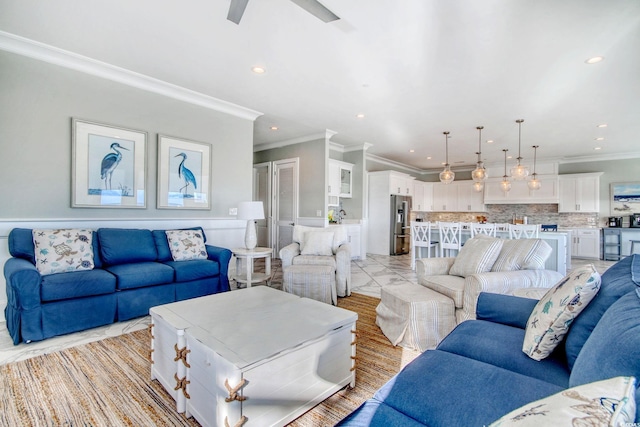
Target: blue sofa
(133, 271)
(479, 373)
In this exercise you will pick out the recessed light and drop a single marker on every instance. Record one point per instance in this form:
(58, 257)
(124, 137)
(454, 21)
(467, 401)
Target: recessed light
(429, 158)
(599, 139)
(489, 141)
(594, 60)
(274, 128)
(604, 125)
(258, 70)
(598, 148)
(509, 157)
(412, 151)
(360, 116)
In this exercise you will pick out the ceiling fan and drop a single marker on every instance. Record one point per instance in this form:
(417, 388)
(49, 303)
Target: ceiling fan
(314, 7)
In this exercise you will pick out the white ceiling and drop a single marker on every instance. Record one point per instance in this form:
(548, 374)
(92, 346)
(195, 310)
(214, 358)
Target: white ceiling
(414, 68)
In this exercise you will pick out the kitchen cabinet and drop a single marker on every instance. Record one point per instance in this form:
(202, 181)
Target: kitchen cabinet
(520, 192)
(401, 184)
(579, 192)
(459, 196)
(340, 181)
(422, 196)
(354, 237)
(469, 200)
(585, 243)
(445, 197)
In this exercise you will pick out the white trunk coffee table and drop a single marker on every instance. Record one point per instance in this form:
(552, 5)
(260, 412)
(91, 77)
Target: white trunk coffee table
(256, 354)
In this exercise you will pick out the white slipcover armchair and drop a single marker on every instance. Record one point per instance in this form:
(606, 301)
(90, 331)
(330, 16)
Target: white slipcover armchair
(321, 246)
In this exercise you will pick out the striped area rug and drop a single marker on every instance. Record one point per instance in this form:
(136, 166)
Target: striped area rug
(107, 383)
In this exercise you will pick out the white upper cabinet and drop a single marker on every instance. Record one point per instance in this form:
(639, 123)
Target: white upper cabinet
(401, 184)
(469, 200)
(340, 181)
(445, 197)
(520, 192)
(422, 196)
(580, 192)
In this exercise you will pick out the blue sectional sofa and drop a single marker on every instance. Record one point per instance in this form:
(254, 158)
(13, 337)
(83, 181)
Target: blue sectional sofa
(133, 271)
(479, 373)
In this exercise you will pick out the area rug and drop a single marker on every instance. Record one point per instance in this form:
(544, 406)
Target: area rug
(107, 383)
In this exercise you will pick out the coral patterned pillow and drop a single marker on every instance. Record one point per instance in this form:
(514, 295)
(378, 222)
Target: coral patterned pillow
(553, 314)
(186, 245)
(63, 250)
(609, 402)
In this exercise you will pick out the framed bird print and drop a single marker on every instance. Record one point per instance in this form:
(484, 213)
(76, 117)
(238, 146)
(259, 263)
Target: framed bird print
(184, 174)
(108, 166)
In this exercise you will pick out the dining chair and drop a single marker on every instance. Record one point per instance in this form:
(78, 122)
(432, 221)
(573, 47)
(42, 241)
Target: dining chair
(523, 231)
(487, 229)
(421, 238)
(450, 237)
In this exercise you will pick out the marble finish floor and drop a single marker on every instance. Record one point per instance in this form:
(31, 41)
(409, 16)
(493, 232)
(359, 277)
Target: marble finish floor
(368, 277)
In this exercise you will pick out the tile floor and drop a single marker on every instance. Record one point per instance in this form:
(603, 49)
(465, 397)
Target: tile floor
(368, 277)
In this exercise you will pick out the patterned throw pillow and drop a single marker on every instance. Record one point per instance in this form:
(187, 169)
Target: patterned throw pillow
(63, 250)
(603, 403)
(553, 314)
(186, 245)
(476, 256)
(318, 243)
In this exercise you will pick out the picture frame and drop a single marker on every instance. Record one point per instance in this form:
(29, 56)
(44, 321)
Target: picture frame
(108, 166)
(184, 174)
(625, 198)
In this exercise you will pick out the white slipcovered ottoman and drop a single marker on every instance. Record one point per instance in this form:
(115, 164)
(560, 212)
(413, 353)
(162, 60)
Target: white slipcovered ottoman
(414, 316)
(317, 282)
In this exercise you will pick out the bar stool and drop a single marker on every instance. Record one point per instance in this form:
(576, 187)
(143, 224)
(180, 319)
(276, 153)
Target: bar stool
(633, 243)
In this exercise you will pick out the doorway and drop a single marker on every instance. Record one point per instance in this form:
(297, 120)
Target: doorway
(285, 201)
(262, 193)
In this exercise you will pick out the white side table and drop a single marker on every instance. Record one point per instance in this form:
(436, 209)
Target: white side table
(250, 277)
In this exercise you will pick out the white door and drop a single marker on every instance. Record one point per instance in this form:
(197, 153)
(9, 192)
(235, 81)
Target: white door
(262, 192)
(285, 201)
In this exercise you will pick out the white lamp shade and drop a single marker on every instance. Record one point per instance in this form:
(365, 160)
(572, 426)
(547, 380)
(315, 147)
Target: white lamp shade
(250, 210)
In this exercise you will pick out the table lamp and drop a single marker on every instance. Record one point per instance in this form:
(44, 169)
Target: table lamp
(250, 211)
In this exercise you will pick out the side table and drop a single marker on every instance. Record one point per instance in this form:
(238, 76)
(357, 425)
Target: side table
(250, 277)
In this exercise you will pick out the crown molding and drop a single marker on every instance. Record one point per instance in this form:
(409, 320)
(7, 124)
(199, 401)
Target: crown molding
(299, 140)
(53, 55)
(394, 164)
(600, 157)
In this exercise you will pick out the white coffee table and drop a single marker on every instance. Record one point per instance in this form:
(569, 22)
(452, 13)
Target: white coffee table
(279, 354)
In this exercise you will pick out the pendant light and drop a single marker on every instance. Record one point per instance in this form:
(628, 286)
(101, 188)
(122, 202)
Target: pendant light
(519, 171)
(534, 182)
(479, 174)
(447, 175)
(505, 185)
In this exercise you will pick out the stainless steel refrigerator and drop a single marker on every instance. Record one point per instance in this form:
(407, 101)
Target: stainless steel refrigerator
(400, 227)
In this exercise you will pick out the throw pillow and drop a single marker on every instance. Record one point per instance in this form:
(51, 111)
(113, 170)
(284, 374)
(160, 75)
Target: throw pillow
(186, 245)
(603, 403)
(318, 243)
(63, 250)
(476, 256)
(551, 317)
(339, 235)
(522, 254)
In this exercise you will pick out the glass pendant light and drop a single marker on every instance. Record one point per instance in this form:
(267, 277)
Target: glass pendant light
(505, 184)
(479, 174)
(447, 175)
(534, 182)
(519, 171)
(478, 186)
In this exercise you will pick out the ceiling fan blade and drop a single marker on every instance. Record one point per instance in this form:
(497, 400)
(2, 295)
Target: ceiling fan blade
(236, 10)
(315, 8)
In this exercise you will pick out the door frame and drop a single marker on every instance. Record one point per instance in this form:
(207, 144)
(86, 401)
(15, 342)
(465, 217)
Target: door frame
(275, 205)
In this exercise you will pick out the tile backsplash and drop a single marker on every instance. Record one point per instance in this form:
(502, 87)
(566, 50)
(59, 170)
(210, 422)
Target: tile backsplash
(535, 213)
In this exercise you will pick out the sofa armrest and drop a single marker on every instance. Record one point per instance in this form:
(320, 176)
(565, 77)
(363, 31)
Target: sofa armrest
(506, 309)
(433, 266)
(222, 256)
(343, 270)
(503, 282)
(23, 283)
(288, 253)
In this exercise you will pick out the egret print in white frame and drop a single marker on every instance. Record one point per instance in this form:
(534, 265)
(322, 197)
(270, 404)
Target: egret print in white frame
(108, 166)
(184, 174)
